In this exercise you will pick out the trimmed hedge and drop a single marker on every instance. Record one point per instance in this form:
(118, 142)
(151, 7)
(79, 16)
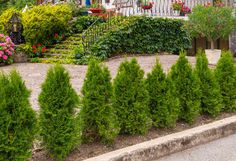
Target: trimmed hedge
(143, 35)
(211, 99)
(17, 119)
(59, 127)
(226, 76)
(163, 103)
(98, 114)
(131, 99)
(188, 91)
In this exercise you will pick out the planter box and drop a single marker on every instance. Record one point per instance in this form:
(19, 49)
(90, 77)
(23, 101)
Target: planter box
(213, 56)
(20, 58)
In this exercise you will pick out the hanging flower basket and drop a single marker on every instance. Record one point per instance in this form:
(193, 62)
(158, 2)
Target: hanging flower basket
(95, 10)
(147, 6)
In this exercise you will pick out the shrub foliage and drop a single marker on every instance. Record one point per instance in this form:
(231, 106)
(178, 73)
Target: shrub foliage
(211, 97)
(131, 99)
(17, 119)
(163, 103)
(187, 89)
(60, 129)
(139, 35)
(226, 76)
(98, 114)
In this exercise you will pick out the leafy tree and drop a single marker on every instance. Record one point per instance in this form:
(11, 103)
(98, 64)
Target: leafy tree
(226, 76)
(60, 128)
(163, 104)
(187, 89)
(131, 99)
(17, 119)
(211, 97)
(98, 114)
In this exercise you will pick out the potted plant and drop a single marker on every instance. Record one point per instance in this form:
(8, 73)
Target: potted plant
(6, 50)
(185, 10)
(96, 8)
(21, 52)
(213, 23)
(177, 6)
(146, 5)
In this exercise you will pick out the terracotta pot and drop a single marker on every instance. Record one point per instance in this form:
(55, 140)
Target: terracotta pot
(95, 10)
(213, 56)
(20, 58)
(147, 7)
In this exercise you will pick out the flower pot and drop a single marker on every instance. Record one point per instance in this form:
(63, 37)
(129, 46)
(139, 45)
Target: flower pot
(20, 58)
(147, 7)
(176, 13)
(213, 56)
(95, 10)
(182, 14)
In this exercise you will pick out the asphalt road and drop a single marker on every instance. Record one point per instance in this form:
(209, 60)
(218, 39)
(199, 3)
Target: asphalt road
(219, 150)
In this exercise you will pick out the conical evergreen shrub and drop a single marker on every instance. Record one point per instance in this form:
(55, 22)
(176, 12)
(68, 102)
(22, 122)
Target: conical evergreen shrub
(187, 87)
(131, 99)
(60, 128)
(17, 119)
(211, 97)
(100, 121)
(163, 103)
(226, 76)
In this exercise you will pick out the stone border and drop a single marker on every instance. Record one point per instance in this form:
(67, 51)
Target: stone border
(159, 147)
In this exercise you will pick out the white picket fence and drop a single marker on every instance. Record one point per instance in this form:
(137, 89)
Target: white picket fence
(160, 7)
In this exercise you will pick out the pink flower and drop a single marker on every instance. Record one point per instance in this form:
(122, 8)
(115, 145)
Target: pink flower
(4, 57)
(1, 53)
(9, 52)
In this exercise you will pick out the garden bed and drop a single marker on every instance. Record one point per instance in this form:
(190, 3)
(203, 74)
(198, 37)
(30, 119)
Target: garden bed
(94, 149)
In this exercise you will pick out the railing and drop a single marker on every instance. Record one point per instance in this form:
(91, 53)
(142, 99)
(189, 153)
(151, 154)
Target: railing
(95, 31)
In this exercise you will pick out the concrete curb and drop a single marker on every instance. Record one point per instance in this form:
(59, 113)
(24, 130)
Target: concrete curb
(159, 147)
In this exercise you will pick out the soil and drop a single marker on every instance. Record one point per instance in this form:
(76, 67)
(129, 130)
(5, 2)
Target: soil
(85, 151)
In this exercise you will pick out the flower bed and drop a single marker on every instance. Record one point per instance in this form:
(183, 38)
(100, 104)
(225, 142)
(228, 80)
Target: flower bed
(6, 49)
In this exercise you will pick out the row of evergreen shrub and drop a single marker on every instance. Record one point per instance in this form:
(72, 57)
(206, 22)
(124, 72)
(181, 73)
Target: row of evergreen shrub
(131, 105)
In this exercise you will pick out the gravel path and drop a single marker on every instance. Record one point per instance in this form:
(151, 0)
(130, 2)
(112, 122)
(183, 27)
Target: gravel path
(34, 74)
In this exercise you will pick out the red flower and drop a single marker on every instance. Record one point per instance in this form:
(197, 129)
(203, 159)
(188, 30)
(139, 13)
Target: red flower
(34, 51)
(56, 35)
(34, 46)
(39, 45)
(43, 49)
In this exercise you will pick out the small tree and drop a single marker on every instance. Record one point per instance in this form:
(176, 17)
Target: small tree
(18, 120)
(211, 22)
(131, 99)
(211, 97)
(163, 104)
(226, 76)
(60, 129)
(187, 89)
(98, 114)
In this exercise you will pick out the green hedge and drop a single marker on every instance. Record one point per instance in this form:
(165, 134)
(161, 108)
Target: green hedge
(143, 35)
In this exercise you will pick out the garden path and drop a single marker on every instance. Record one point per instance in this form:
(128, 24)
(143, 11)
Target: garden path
(34, 74)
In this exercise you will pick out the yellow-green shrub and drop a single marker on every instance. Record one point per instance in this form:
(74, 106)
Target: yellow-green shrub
(43, 21)
(5, 17)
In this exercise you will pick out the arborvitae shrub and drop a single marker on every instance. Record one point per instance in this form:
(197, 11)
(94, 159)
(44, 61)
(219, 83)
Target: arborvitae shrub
(131, 99)
(60, 129)
(187, 89)
(100, 121)
(17, 119)
(163, 104)
(211, 97)
(226, 75)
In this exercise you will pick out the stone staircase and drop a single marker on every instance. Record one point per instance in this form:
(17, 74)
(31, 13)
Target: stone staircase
(63, 53)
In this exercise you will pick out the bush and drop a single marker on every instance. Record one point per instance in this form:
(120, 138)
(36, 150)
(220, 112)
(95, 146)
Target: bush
(211, 22)
(143, 35)
(5, 18)
(131, 99)
(60, 128)
(211, 97)
(163, 104)
(18, 121)
(226, 76)
(83, 22)
(99, 117)
(43, 21)
(187, 89)
(6, 49)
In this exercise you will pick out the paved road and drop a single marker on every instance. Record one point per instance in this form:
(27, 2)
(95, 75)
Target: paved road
(220, 150)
